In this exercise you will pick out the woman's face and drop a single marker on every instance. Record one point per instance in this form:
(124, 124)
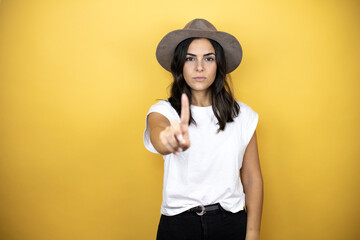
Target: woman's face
(200, 66)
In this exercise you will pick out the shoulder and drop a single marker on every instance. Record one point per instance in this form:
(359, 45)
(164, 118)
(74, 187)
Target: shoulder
(245, 109)
(248, 120)
(164, 107)
(161, 105)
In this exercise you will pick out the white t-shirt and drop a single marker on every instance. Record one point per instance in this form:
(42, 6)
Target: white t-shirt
(207, 172)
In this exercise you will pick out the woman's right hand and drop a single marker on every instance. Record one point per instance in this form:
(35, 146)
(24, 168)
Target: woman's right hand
(175, 137)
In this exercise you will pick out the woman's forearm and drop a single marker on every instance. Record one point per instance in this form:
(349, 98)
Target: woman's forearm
(254, 200)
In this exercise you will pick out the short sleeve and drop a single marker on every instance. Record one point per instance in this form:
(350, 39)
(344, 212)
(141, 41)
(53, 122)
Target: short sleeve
(164, 108)
(250, 120)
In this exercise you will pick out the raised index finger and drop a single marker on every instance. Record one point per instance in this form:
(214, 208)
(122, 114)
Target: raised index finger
(185, 110)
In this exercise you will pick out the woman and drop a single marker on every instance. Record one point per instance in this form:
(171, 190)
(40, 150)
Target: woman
(207, 139)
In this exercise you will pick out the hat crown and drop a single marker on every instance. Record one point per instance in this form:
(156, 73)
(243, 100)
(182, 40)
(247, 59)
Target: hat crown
(199, 28)
(200, 24)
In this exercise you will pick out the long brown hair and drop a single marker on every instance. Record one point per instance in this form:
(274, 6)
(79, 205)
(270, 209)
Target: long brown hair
(223, 103)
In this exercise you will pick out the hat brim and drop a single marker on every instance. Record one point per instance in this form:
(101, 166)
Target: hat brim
(166, 48)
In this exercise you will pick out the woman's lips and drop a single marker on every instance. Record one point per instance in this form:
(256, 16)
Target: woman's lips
(199, 79)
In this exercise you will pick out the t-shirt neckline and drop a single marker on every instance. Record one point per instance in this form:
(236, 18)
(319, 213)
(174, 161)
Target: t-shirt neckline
(198, 107)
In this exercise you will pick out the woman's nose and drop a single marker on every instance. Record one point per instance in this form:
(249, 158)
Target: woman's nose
(199, 66)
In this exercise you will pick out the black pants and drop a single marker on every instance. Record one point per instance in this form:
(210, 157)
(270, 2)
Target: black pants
(213, 225)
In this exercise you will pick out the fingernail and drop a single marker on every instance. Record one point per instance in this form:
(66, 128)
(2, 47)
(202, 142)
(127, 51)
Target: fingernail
(180, 137)
(179, 150)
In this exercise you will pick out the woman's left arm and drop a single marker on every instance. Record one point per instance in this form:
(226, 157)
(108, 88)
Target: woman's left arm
(252, 181)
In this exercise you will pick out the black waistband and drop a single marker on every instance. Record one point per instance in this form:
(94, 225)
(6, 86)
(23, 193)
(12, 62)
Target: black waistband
(201, 210)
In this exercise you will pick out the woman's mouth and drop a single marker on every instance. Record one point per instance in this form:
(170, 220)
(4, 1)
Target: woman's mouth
(199, 79)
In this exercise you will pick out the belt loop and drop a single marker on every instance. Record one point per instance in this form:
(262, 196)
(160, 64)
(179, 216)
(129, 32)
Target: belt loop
(222, 210)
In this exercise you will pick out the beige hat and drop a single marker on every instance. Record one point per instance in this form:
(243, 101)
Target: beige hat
(204, 29)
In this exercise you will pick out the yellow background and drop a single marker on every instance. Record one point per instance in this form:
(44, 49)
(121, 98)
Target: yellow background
(77, 78)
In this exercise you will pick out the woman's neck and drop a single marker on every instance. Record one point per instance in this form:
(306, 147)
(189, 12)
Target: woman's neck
(201, 99)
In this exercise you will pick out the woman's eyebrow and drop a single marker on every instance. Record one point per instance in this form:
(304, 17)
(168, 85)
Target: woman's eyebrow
(207, 54)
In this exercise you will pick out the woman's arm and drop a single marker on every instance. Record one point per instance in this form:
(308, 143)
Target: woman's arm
(252, 181)
(170, 138)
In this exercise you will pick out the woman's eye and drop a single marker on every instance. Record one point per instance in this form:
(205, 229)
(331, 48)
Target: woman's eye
(209, 59)
(189, 59)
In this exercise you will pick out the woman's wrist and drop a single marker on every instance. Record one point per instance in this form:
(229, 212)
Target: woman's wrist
(252, 235)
